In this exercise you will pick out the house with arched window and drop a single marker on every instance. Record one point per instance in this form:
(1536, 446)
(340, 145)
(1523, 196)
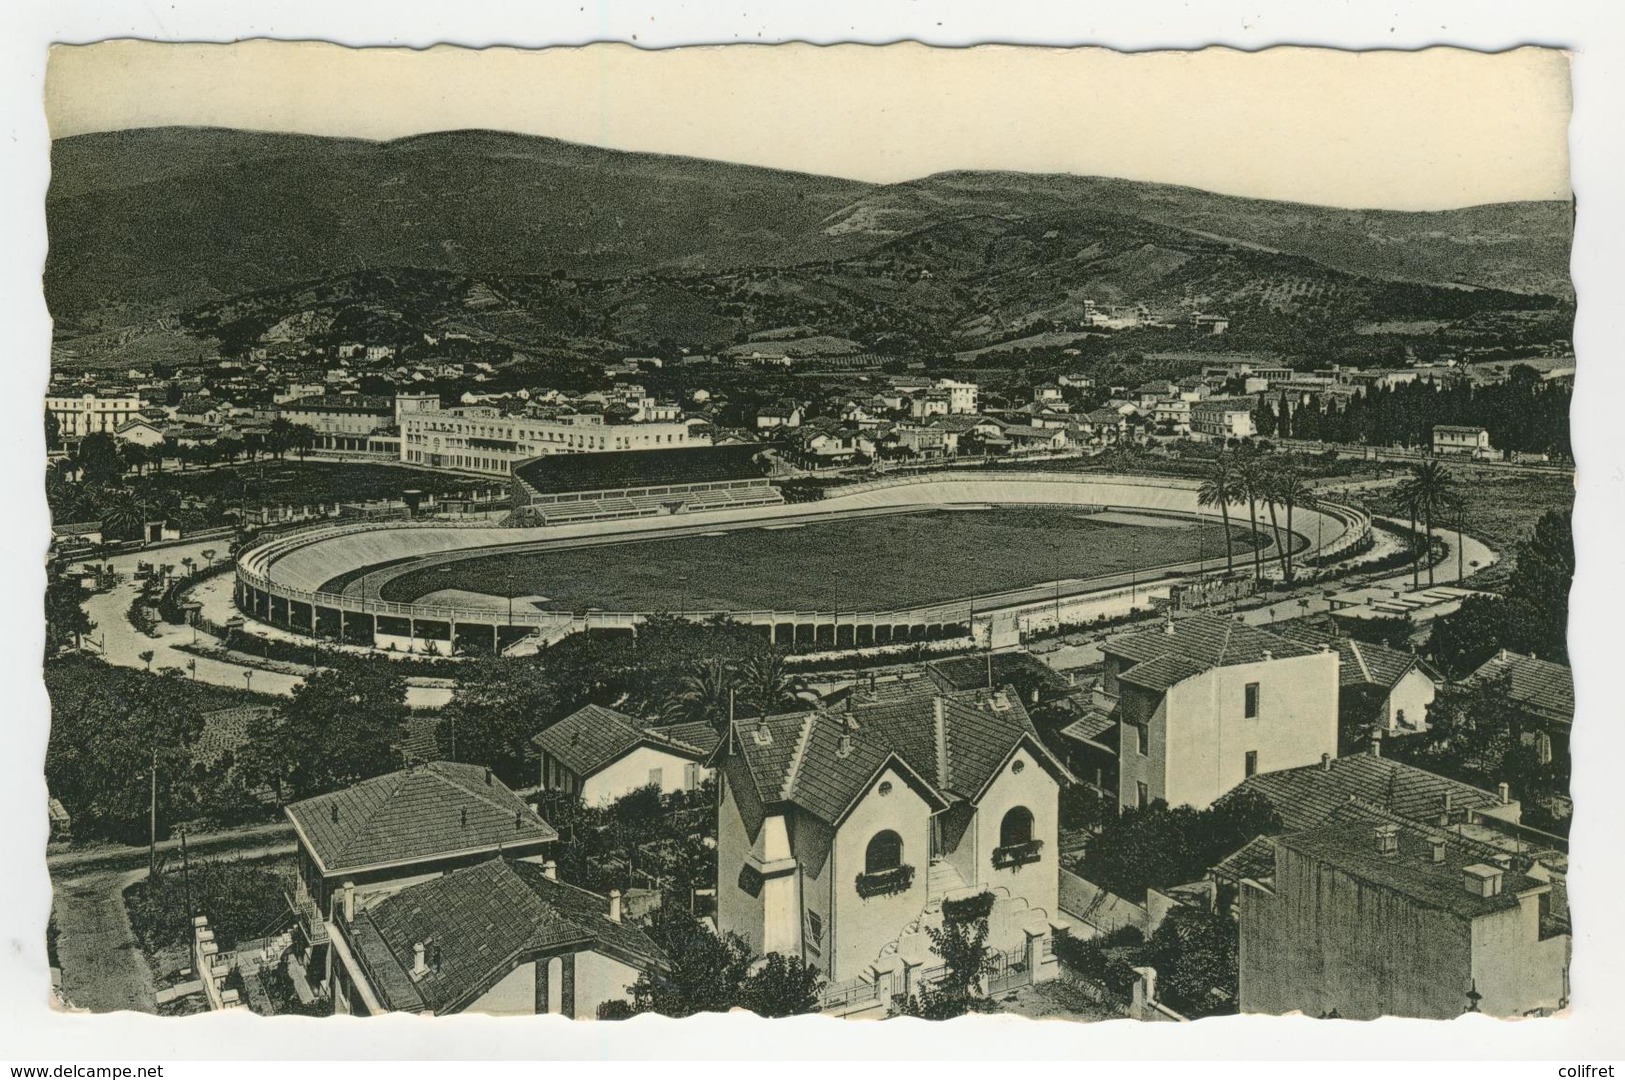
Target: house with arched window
(841, 834)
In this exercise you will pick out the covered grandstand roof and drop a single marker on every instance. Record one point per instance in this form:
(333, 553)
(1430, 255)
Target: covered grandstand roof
(553, 473)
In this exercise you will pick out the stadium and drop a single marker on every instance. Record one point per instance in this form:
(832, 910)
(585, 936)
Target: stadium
(600, 542)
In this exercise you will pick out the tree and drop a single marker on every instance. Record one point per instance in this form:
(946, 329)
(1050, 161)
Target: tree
(301, 437)
(962, 945)
(1250, 475)
(1293, 491)
(209, 554)
(706, 969)
(99, 458)
(1432, 489)
(1538, 591)
(123, 516)
(1195, 953)
(703, 695)
(1160, 846)
(279, 438)
(145, 656)
(53, 431)
(1462, 640)
(1269, 491)
(764, 684)
(1220, 488)
(65, 616)
(340, 727)
(782, 986)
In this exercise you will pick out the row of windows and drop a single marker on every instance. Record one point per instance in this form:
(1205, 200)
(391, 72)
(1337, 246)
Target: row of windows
(885, 850)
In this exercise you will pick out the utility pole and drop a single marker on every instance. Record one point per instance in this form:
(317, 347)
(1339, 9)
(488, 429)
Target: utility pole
(186, 878)
(152, 821)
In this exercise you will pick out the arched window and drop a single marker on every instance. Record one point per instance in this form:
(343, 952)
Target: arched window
(885, 853)
(1016, 828)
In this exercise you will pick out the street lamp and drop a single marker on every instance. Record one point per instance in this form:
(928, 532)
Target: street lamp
(248, 681)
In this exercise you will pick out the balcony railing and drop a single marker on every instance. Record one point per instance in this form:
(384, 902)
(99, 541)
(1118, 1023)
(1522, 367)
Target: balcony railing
(1013, 855)
(881, 882)
(309, 915)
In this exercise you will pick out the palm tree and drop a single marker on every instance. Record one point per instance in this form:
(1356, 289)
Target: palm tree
(702, 695)
(1433, 489)
(188, 562)
(123, 515)
(1292, 490)
(209, 553)
(1250, 475)
(1269, 490)
(1220, 489)
(145, 656)
(764, 682)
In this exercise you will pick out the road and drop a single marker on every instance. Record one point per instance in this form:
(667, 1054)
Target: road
(103, 967)
(118, 642)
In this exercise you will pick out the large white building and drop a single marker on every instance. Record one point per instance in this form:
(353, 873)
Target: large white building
(962, 396)
(483, 439)
(1207, 702)
(78, 415)
(1221, 419)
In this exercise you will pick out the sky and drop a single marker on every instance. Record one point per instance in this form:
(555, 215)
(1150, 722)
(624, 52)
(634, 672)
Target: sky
(1431, 129)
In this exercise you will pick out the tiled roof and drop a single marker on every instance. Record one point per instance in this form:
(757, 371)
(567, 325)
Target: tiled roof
(1090, 726)
(593, 737)
(1189, 646)
(415, 815)
(1362, 663)
(1540, 686)
(1305, 796)
(1347, 841)
(480, 923)
(1255, 860)
(799, 759)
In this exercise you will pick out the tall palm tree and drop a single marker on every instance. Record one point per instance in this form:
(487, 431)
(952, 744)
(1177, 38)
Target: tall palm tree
(1294, 492)
(702, 695)
(1434, 489)
(123, 516)
(1250, 475)
(1269, 490)
(1220, 489)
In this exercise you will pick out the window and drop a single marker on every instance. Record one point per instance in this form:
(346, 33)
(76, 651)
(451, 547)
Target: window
(815, 929)
(1142, 738)
(885, 853)
(1252, 701)
(1143, 795)
(1016, 828)
(691, 776)
(657, 778)
(1252, 762)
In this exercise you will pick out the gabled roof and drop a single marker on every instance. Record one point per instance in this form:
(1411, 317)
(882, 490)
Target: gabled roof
(1091, 727)
(416, 815)
(593, 737)
(1187, 647)
(1542, 687)
(1346, 840)
(1362, 663)
(479, 923)
(1255, 860)
(951, 753)
(1305, 796)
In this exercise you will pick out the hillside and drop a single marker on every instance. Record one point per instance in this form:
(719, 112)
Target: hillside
(555, 247)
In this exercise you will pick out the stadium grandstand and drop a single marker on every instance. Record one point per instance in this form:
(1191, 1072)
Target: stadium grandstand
(556, 489)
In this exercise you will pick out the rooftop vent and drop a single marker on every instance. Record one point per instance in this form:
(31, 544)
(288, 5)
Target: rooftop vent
(1438, 851)
(843, 745)
(490, 778)
(1481, 879)
(465, 817)
(420, 965)
(334, 813)
(1325, 763)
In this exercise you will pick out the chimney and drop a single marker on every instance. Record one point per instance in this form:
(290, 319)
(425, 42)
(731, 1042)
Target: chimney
(349, 902)
(420, 967)
(1325, 763)
(550, 870)
(465, 817)
(1503, 792)
(518, 820)
(1481, 879)
(936, 710)
(1268, 655)
(843, 746)
(614, 905)
(334, 813)
(1376, 743)
(1387, 839)
(1438, 851)
(489, 778)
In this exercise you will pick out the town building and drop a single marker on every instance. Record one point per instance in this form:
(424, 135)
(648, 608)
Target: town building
(1542, 691)
(1461, 439)
(483, 439)
(841, 834)
(78, 415)
(140, 431)
(341, 421)
(1371, 914)
(599, 755)
(1206, 702)
(501, 937)
(365, 842)
(1382, 691)
(961, 396)
(1223, 419)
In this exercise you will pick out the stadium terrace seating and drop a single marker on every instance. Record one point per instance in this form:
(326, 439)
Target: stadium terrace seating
(554, 474)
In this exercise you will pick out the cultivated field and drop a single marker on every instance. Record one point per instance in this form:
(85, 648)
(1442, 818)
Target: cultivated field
(873, 563)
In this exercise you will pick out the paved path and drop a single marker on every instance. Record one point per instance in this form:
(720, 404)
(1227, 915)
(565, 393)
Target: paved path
(118, 642)
(103, 967)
